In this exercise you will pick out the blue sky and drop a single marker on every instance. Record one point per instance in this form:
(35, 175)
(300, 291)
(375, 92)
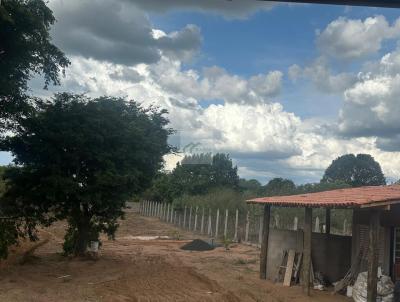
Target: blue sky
(284, 89)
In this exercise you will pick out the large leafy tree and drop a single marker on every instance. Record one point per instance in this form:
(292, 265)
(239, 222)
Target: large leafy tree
(279, 186)
(25, 50)
(356, 171)
(197, 175)
(80, 159)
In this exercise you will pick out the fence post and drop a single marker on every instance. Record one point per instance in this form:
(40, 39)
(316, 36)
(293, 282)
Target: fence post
(153, 208)
(216, 224)
(277, 221)
(167, 218)
(202, 222)
(260, 230)
(246, 235)
(179, 219)
(184, 218)
(147, 208)
(236, 225)
(344, 226)
(317, 230)
(195, 219)
(190, 219)
(295, 223)
(209, 223)
(159, 210)
(172, 214)
(226, 223)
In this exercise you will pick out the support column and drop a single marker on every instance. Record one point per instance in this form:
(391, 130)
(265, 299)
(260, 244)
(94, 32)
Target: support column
(373, 255)
(264, 243)
(328, 221)
(307, 251)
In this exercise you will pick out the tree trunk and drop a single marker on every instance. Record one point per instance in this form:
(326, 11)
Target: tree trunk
(82, 237)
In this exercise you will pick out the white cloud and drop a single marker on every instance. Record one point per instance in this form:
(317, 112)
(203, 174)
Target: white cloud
(322, 77)
(350, 39)
(371, 105)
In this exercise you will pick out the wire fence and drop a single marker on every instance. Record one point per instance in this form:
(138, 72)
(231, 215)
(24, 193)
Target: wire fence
(229, 224)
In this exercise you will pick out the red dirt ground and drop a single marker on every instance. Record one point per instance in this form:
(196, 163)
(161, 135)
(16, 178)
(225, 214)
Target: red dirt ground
(135, 270)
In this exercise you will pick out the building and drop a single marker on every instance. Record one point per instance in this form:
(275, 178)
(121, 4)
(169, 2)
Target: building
(375, 240)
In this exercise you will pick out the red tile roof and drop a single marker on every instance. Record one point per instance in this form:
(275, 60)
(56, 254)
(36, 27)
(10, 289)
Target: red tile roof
(341, 198)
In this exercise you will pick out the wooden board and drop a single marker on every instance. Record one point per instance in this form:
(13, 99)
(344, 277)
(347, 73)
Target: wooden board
(289, 268)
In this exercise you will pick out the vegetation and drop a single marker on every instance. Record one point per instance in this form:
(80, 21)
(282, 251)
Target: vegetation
(356, 171)
(80, 159)
(25, 50)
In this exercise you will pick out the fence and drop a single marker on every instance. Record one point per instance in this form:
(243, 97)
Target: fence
(227, 224)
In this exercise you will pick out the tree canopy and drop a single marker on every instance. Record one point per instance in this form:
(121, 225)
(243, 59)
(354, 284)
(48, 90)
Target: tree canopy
(80, 159)
(356, 171)
(25, 50)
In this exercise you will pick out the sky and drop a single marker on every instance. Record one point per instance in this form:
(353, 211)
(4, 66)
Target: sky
(284, 89)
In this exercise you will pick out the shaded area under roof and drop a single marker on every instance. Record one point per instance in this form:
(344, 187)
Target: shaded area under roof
(341, 198)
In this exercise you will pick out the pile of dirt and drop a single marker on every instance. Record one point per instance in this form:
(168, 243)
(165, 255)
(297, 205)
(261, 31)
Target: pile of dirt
(197, 245)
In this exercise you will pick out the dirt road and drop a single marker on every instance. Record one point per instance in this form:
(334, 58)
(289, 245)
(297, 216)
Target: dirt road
(135, 270)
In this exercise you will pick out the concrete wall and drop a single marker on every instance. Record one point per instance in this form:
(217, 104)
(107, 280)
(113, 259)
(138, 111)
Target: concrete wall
(331, 254)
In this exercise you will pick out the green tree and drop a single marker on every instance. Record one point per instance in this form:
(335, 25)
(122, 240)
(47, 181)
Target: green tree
(80, 159)
(356, 171)
(252, 185)
(279, 186)
(197, 174)
(25, 50)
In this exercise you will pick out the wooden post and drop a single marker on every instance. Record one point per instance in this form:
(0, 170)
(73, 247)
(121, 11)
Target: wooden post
(246, 235)
(202, 222)
(260, 230)
(195, 219)
(167, 218)
(226, 224)
(236, 225)
(264, 242)
(216, 224)
(328, 221)
(184, 218)
(373, 255)
(209, 230)
(172, 215)
(295, 223)
(307, 250)
(190, 219)
(345, 227)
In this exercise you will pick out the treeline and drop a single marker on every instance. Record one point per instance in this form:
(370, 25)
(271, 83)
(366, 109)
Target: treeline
(211, 181)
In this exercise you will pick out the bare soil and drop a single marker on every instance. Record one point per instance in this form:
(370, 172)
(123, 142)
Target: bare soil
(129, 269)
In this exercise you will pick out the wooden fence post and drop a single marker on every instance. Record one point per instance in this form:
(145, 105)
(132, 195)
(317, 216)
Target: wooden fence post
(236, 225)
(175, 222)
(166, 218)
(195, 219)
(172, 214)
(179, 219)
(216, 224)
(246, 235)
(202, 222)
(209, 229)
(190, 219)
(226, 224)
(295, 223)
(184, 218)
